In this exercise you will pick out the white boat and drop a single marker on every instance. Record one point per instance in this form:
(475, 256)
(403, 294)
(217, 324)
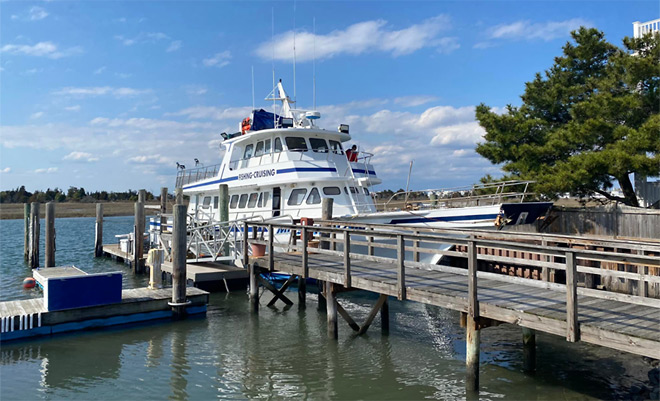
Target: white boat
(281, 165)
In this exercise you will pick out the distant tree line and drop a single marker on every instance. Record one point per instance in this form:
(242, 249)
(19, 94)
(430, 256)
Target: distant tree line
(73, 194)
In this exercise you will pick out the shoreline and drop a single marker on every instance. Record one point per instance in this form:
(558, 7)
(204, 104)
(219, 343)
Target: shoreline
(14, 211)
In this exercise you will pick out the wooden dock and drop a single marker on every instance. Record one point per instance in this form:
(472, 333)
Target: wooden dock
(569, 309)
(29, 317)
(204, 272)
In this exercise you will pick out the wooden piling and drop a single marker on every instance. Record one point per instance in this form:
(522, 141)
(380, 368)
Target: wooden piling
(401, 269)
(33, 259)
(385, 317)
(326, 214)
(472, 335)
(163, 209)
(155, 272)
(178, 196)
(50, 235)
(26, 231)
(142, 196)
(179, 245)
(347, 259)
(331, 308)
(254, 287)
(138, 230)
(529, 350)
(98, 237)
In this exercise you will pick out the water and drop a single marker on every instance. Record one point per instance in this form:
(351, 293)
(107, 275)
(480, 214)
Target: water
(282, 353)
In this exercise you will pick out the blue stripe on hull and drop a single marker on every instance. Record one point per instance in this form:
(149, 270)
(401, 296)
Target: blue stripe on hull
(280, 171)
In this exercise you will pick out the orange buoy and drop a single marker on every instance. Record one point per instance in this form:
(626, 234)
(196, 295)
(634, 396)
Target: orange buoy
(29, 282)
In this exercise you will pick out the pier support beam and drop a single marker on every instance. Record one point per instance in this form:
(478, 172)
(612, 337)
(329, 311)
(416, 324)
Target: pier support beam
(33, 259)
(179, 245)
(26, 231)
(138, 230)
(253, 272)
(50, 235)
(331, 305)
(98, 237)
(529, 350)
(385, 316)
(472, 341)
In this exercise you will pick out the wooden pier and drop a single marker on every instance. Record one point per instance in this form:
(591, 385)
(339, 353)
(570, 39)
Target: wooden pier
(620, 321)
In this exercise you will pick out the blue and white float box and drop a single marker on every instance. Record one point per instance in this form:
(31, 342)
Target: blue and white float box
(70, 287)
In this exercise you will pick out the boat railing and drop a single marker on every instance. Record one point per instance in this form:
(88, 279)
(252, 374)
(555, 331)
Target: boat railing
(189, 176)
(475, 195)
(282, 156)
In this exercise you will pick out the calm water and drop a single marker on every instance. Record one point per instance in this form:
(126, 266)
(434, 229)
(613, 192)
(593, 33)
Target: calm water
(282, 353)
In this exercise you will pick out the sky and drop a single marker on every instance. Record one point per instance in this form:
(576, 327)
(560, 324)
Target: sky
(110, 95)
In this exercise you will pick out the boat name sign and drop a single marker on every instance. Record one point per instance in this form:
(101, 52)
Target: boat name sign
(257, 174)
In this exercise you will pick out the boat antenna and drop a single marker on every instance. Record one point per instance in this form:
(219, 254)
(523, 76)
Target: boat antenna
(294, 51)
(272, 40)
(252, 87)
(408, 183)
(314, 67)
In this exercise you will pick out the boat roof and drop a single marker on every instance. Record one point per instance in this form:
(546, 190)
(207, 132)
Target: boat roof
(313, 132)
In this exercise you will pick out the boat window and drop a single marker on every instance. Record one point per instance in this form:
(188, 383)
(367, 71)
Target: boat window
(336, 147)
(207, 200)
(319, 145)
(215, 202)
(297, 196)
(296, 143)
(353, 190)
(314, 197)
(234, 201)
(248, 151)
(267, 146)
(242, 201)
(259, 150)
(366, 191)
(253, 199)
(277, 147)
(263, 199)
(331, 191)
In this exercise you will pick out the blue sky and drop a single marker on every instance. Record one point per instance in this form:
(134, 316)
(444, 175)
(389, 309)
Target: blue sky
(109, 95)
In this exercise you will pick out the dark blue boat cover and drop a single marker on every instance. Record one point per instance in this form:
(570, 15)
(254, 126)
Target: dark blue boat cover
(261, 119)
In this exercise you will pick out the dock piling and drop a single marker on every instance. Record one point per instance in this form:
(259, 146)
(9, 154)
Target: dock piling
(50, 235)
(178, 196)
(142, 196)
(138, 229)
(179, 244)
(98, 237)
(472, 334)
(529, 350)
(34, 235)
(331, 305)
(163, 209)
(254, 287)
(385, 317)
(26, 231)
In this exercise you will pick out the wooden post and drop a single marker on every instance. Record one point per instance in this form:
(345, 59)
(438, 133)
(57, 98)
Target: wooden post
(178, 193)
(529, 350)
(34, 235)
(246, 255)
(26, 231)
(326, 214)
(572, 328)
(254, 287)
(50, 235)
(347, 259)
(179, 273)
(370, 247)
(142, 196)
(331, 305)
(163, 209)
(545, 273)
(223, 213)
(472, 335)
(302, 283)
(642, 285)
(385, 317)
(401, 270)
(416, 245)
(98, 236)
(138, 246)
(155, 273)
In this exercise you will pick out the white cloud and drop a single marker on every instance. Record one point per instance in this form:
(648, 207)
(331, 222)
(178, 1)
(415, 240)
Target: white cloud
(37, 115)
(123, 75)
(174, 46)
(48, 170)
(412, 101)
(80, 156)
(5, 170)
(196, 90)
(213, 113)
(101, 91)
(218, 60)
(142, 38)
(73, 108)
(99, 70)
(527, 30)
(32, 71)
(37, 13)
(41, 49)
(362, 37)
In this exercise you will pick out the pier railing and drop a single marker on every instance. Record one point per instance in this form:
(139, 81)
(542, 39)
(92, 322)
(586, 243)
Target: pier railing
(404, 247)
